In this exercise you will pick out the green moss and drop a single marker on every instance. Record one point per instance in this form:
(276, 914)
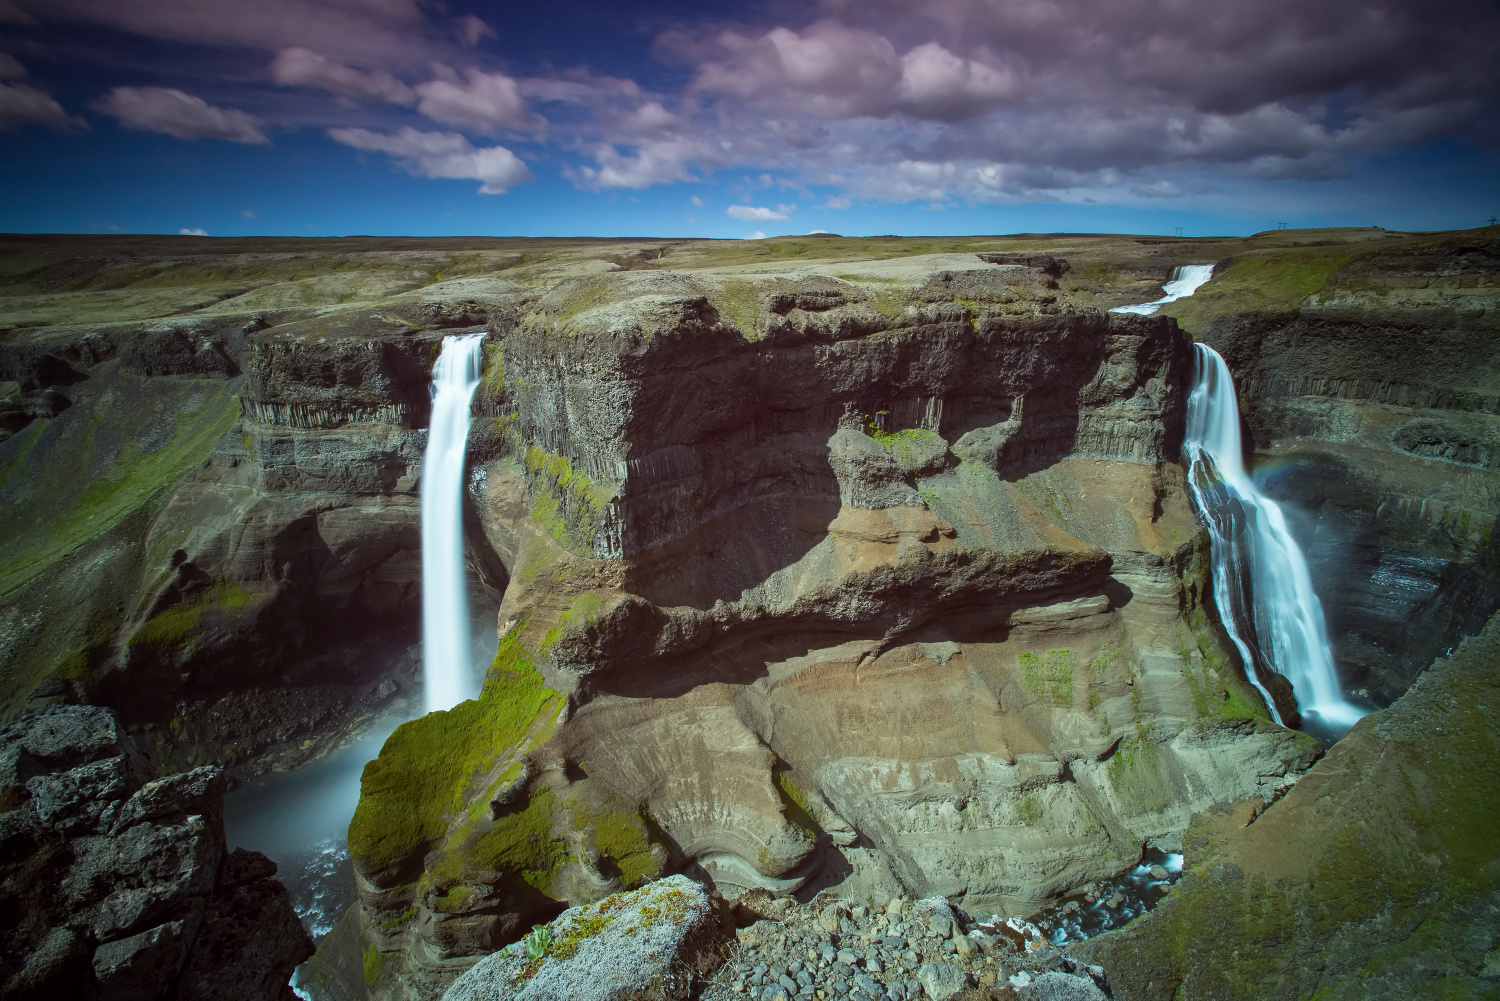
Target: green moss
(520, 845)
(392, 924)
(1137, 773)
(624, 840)
(374, 962)
(794, 804)
(1029, 808)
(582, 613)
(1049, 677)
(430, 767)
(566, 503)
(171, 628)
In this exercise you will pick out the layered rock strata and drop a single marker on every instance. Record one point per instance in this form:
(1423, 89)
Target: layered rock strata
(117, 887)
(900, 597)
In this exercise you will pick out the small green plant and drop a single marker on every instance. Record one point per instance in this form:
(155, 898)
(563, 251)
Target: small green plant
(537, 942)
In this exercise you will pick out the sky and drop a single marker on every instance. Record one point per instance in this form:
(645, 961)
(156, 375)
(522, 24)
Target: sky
(666, 118)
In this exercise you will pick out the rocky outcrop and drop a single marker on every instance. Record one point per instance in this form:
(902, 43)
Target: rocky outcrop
(763, 621)
(1375, 875)
(117, 887)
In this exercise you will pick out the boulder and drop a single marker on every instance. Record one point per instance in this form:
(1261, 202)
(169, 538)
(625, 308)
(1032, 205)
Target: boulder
(647, 943)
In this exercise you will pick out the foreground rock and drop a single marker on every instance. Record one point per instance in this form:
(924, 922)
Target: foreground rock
(117, 889)
(1376, 875)
(652, 943)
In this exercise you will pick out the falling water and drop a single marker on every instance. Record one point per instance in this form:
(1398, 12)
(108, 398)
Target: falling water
(445, 599)
(1185, 281)
(1261, 582)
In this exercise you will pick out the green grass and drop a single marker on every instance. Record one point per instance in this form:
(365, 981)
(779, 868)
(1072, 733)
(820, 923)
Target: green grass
(172, 627)
(582, 613)
(427, 771)
(1276, 281)
(374, 962)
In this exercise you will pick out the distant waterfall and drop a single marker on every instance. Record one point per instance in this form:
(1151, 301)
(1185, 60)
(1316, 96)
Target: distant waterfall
(445, 598)
(1261, 582)
(1185, 281)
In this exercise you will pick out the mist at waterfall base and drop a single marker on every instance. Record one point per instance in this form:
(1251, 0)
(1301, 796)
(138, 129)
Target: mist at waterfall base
(1262, 585)
(445, 601)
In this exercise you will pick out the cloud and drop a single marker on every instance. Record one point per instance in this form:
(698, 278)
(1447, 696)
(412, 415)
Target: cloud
(471, 30)
(192, 232)
(441, 155)
(23, 105)
(750, 213)
(169, 110)
(10, 67)
(757, 235)
(373, 31)
(299, 67)
(248, 213)
(486, 103)
(697, 202)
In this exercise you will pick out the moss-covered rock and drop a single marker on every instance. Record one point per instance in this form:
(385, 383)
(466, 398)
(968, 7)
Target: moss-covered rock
(1376, 875)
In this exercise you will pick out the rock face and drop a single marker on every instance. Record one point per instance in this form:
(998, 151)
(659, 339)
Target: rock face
(763, 620)
(223, 526)
(654, 943)
(1376, 875)
(115, 888)
(1373, 397)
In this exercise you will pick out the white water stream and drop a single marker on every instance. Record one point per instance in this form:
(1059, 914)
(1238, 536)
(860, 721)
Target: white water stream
(446, 656)
(1261, 582)
(1185, 281)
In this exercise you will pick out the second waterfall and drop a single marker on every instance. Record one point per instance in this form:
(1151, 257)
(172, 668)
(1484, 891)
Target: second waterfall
(1261, 582)
(445, 599)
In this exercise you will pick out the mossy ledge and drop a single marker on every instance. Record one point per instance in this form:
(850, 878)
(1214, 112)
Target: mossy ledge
(431, 768)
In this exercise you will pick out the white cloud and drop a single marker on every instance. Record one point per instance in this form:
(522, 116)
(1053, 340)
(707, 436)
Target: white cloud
(481, 102)
(837, 202)
(441, 155)
(298, 67)
(192, 232)
(22, 105)
(751, 213)
(248, 213)
(169, 110)
(757, 235)
(654, 162)
(815, 232)
(697, 202)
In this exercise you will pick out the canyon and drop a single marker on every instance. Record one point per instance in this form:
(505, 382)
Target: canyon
(861, 567)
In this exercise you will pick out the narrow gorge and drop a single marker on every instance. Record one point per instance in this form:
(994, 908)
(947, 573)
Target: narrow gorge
(823, 594)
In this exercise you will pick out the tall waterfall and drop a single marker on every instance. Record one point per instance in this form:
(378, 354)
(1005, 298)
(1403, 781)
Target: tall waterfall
(1185, 281)
(1261, 582)
(445, 598)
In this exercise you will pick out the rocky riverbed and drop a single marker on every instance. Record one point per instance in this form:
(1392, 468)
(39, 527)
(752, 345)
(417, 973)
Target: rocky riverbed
(897, 951)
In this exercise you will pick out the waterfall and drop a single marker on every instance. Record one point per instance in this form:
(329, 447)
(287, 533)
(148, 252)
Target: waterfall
(1185, 281)
(1261, 582)
(445, 599)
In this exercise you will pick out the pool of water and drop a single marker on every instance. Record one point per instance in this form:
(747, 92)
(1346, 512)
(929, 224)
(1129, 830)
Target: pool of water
(1118, 901)
(300, 819)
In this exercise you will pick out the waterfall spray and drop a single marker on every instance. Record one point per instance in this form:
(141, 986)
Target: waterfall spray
(445, 599)
(1261, 581)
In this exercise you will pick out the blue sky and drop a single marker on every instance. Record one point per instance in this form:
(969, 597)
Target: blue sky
(949, 117)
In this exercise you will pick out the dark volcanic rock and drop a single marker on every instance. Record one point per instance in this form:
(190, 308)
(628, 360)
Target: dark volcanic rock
(115, 889)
